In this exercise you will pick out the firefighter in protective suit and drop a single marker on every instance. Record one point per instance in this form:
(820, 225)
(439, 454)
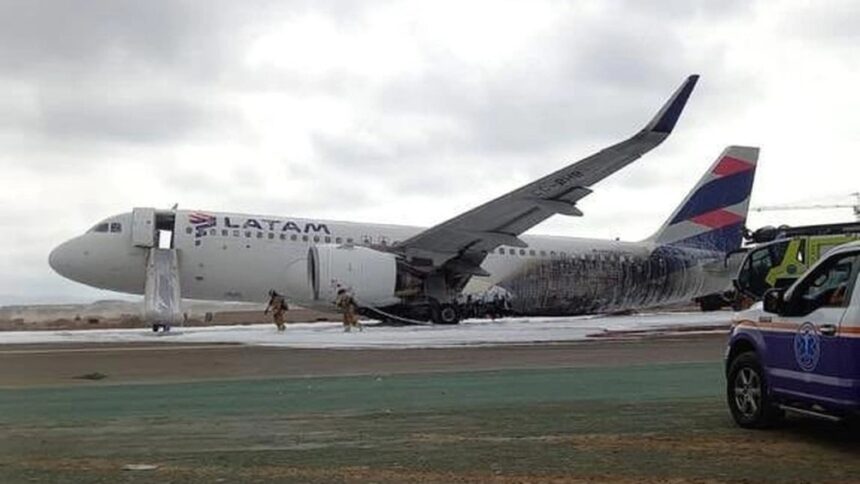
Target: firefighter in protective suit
(346, 303)
(278, 306)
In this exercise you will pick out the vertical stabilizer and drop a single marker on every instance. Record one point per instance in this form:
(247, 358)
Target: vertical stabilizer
(714, 214)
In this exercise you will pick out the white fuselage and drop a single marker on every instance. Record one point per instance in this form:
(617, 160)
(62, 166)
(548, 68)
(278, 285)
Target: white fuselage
(236, 257)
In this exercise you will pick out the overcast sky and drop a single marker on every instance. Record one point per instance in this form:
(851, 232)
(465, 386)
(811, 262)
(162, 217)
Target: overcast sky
(405, 112)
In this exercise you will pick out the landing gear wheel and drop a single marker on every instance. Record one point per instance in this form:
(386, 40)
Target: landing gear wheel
(155, 327)
(747, 394)
(445, 314)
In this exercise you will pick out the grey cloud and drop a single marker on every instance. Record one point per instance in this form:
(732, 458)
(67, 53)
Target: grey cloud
(73, 37)
(90, 116)
(834, 23)
(601, 91)
(669, 10)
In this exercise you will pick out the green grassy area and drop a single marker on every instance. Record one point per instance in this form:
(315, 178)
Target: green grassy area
(633, 423)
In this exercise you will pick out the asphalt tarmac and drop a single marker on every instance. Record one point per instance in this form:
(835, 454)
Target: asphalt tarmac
(625, 411)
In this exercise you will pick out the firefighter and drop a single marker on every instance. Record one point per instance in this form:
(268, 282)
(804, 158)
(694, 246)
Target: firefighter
(346, 303)
(278, 306)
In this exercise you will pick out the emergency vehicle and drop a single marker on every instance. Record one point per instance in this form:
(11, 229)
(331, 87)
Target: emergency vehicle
(781, 262)
(799, 349)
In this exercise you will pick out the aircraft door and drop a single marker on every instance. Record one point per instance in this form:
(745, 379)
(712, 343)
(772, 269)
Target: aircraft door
(143, 231)
(807, 359)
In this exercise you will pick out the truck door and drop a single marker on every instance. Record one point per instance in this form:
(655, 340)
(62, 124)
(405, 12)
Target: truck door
(804, 356)
(143, 230)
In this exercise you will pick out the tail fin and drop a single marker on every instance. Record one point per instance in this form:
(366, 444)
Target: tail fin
(713, 215)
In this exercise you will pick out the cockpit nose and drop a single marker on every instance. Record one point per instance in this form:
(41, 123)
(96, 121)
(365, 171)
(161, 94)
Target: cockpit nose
(103, 257)
(61, 260)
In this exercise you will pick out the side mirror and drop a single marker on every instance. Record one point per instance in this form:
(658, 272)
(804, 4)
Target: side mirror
(773, 302)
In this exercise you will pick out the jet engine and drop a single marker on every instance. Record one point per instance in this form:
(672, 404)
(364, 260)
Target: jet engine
(370, 274)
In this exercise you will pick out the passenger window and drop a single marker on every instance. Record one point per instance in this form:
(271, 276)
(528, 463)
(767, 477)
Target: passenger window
(304, 238)
(327, 239)
(225, 232)
(532, 253)
(188, 230)
(316, 238)
(543, 253)
(501, 251)
(294, 237)
(522, 252)
(283, 236)
(829, 286)
(338, 240)
(115, 227)
(271, 236)
(349, 240)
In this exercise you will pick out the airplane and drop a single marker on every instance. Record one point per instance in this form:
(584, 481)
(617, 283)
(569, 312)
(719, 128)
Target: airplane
(418, 273)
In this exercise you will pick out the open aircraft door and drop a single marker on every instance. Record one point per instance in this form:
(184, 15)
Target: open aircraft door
(143, 232)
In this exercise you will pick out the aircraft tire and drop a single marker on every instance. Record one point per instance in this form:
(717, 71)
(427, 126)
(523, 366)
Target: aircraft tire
(445, 314)
(748, 395)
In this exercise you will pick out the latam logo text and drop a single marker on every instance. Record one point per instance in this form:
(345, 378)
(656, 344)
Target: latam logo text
(203, 221)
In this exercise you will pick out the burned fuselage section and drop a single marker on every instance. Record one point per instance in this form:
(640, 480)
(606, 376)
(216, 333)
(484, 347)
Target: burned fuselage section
(611, 281)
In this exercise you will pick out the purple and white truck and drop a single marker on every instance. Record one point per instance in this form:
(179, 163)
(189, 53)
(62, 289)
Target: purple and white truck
(799, 349)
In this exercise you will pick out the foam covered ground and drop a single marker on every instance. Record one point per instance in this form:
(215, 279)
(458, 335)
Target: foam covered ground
(331, 335)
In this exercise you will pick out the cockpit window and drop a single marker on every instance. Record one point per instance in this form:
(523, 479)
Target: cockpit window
(105, 227)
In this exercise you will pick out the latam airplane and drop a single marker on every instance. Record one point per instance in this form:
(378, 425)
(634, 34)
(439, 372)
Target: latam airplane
(418, 273)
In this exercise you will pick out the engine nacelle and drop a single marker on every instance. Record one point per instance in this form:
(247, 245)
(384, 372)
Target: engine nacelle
(371, 274)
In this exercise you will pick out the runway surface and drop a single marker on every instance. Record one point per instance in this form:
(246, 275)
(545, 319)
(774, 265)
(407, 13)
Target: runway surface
(167, 410)
(481, 332)
(68, 364)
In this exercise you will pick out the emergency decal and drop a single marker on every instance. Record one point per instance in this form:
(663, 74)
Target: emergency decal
(807, 347)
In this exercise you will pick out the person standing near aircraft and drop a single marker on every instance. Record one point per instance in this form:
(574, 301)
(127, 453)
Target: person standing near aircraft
(346, 303)
(278, 306)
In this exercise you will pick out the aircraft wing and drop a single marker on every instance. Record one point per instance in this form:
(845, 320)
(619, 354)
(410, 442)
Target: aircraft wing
(501, 221)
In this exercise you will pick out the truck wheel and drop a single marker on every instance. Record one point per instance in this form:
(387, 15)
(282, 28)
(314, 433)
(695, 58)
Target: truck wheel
(445, 314)
(747, 393)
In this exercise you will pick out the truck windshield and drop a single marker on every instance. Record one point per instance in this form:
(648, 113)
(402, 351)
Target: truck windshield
(752, 278)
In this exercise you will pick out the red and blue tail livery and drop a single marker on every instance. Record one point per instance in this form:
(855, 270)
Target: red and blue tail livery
(713, 215)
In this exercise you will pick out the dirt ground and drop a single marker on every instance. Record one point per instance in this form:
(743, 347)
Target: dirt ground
(632, 411)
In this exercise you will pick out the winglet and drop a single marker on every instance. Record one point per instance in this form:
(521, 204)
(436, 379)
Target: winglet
(665, 120)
